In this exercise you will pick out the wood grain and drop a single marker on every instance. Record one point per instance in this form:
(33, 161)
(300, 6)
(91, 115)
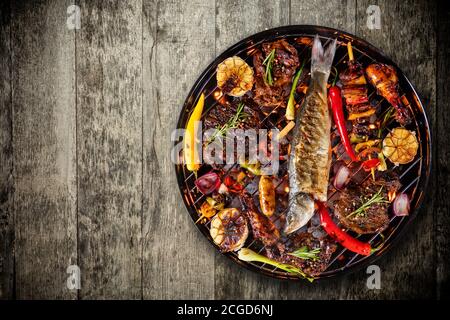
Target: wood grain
(408, 36)
(6, 164)
(85, 140)
(43, 96)
(178, 45)
(334, 14)
(236, 20)
(442, 164)
(109, 148)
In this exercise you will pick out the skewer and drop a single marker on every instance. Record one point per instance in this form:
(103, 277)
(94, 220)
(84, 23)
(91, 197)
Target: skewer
(351, 58)
(350, 51)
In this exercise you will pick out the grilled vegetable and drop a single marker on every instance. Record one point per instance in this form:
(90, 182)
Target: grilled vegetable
(267, 195)
(254, 168)
(229, 230)
(340, 236)
(370, 164)
(401, 205)
(364, 114)
(234, 76)
(208, 183)
(366, 144)
(290, 110)
(248, 255)
(335, 102)
(400, 146)
(190, 149)
(342, 177)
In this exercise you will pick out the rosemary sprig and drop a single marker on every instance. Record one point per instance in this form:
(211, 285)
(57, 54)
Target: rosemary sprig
(305, 254)
(231, 124)
(268, 62)
(376, 198)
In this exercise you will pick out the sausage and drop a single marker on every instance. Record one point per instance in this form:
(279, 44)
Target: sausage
(267, 195)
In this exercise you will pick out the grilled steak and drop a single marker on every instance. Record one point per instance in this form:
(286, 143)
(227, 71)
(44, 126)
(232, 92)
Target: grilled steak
(220, 116)
(262, 227)
(311, 267)
(284, 65)
(375, 218)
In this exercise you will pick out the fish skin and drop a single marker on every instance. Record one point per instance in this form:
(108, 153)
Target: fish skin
(310, 158)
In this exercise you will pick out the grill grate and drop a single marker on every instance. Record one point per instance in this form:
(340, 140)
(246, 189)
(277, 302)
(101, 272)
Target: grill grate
(410, 175)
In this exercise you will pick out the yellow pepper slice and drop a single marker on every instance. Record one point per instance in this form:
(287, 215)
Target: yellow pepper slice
(367, 113)
(366, 144)
(190, 146)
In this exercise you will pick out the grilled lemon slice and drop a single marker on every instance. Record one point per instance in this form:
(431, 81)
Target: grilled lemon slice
(234, 76)
(229, 229)
(400, 146)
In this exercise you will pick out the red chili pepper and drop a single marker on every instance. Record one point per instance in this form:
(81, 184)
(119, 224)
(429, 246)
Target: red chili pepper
(370, 164)
(335, 102)
(232, 184)
(340, 236)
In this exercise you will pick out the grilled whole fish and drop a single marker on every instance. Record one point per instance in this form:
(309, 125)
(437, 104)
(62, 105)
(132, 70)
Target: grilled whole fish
(310, 158)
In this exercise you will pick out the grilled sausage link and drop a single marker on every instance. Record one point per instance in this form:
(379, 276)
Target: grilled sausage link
(267, 195)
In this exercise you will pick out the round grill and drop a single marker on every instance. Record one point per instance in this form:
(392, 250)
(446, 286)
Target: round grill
(413, 176)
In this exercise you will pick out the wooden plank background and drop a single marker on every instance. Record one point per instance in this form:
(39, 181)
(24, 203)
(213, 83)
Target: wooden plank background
(85, 134)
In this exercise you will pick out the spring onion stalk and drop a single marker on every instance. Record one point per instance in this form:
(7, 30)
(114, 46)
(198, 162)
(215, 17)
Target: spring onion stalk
(248, 255)
(290, 110)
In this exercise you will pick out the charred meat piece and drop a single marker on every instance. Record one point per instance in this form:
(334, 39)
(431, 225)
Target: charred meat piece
(218, 118)
(262, 227)
(285, 63)
(312, 267)
(384, 78)
(374, 217)
(221, 114)
(355, 94)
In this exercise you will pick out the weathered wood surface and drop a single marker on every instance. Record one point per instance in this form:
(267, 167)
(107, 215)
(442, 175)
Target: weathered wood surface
(109, 149)
(408, 36)
(43, 103)
(85, 123)
(178, 44)
(6, 181)
(442, 155)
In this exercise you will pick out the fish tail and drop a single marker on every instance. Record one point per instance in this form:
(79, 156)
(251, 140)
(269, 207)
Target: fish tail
(322, 59)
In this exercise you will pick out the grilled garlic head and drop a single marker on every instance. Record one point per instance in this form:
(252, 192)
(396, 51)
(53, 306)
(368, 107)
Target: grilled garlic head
(400, 146)
(229, 229)
(234, 76)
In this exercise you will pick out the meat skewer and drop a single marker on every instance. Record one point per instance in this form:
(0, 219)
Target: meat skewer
(354, 90)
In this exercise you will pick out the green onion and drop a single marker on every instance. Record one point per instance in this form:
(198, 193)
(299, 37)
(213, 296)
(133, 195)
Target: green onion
(248, 255)
(290, 111)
